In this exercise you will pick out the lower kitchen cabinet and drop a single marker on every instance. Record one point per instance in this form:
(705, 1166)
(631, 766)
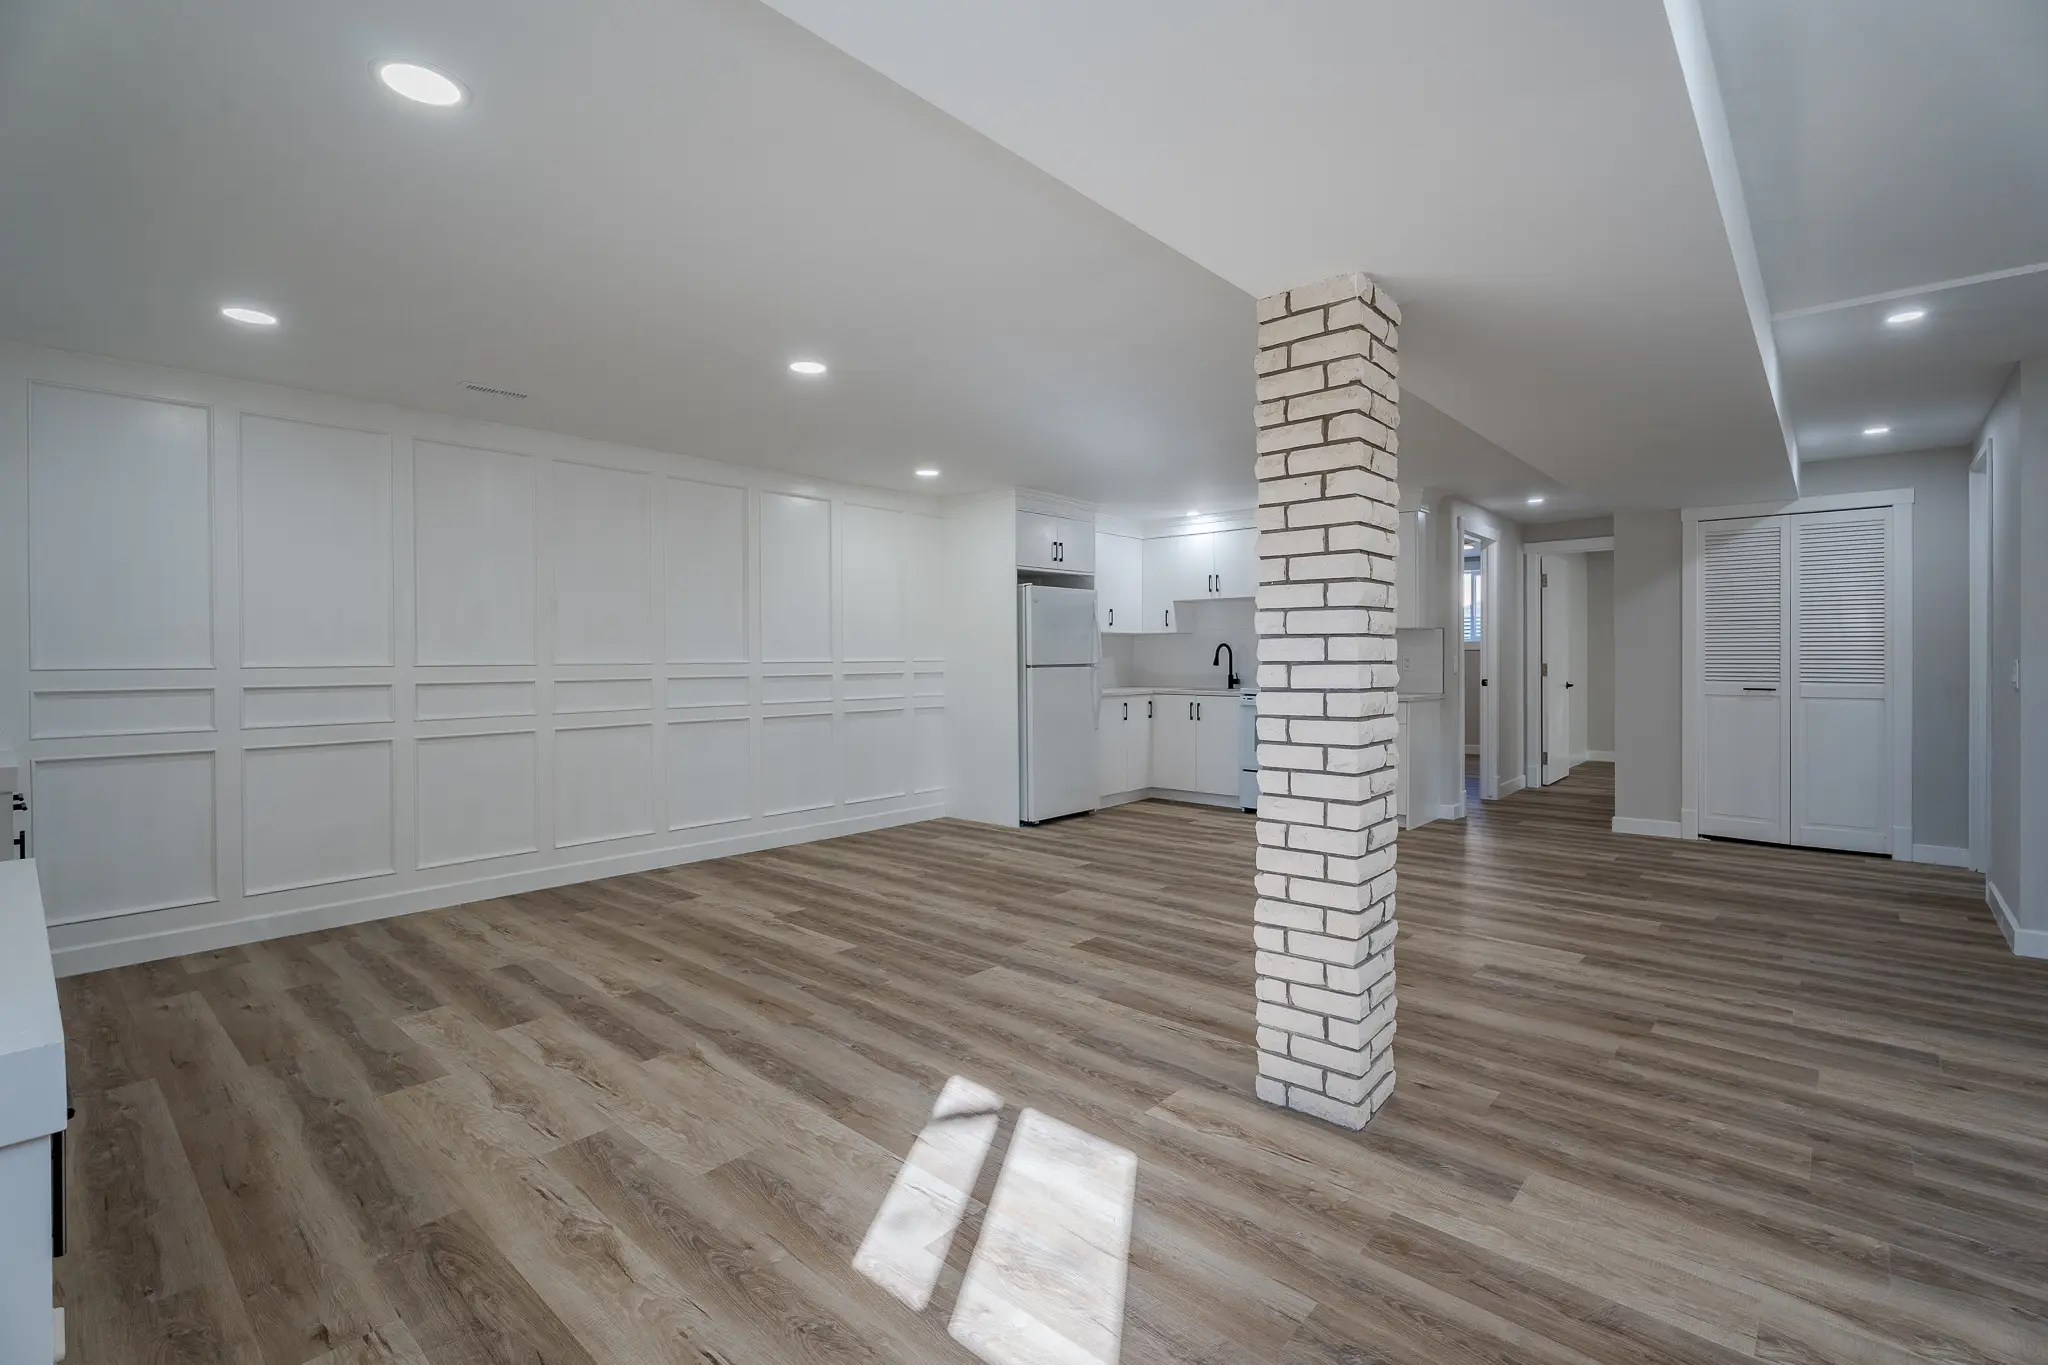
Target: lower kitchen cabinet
(1169, 741)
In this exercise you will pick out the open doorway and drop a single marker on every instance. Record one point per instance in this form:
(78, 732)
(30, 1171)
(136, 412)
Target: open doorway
(1479, 629)
(1568, 657)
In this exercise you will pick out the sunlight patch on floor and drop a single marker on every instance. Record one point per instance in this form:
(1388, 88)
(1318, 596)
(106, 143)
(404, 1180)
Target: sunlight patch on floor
(906, 1244)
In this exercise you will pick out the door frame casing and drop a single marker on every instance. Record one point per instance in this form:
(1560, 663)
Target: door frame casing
(1980, 656)
(1489, 657)
(1898, 646)
(1532, 641)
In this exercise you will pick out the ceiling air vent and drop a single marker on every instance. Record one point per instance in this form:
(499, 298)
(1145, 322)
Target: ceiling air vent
(495, 393)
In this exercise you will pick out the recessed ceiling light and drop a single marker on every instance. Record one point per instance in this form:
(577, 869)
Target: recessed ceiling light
(1194, 514)
(1537, 500)
(1905, 316)
(927, 473)
(422, 83)
(1877, 431)
(254, 317)
(807, 366)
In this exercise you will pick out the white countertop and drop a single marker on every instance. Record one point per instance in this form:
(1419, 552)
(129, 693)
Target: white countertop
(32, 1094)
(1177, 692)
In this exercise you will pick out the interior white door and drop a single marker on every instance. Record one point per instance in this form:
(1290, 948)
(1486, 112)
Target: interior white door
(1235, 555)
(1173, 742)
(1119, 583)
(1216, 750)
(1841, 726)
(1746, 591)
(1111, 727)
(1138, 745)
(1555, 624)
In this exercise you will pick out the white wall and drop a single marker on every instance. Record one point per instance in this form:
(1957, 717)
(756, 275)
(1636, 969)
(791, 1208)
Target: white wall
(2003, 430)
(1940, 481)
(278, 661)
(1599, 671)
(1648, 668)
(1181, 658)
(981, 642)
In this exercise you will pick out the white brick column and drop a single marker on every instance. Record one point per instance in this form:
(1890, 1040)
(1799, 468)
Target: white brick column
(1328, 406)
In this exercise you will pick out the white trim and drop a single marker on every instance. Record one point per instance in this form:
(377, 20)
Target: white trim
(1981, 558)
(1584, 545)
(1652, 829)
(1471, 751)
(1598, 756)
(2023, 942)
(1509, 786)
(1941, 855)
(1914, 291)
(1900, 641)
(1452, 811)
(166, 943)
(1825, 502)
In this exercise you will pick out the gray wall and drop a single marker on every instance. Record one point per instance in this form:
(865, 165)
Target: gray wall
(1600, 652)
(1940, 480)
(1648, 665)
(2003, 431)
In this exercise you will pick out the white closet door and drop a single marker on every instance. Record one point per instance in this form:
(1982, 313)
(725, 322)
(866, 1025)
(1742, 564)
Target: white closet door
(1745, 590)
(1841, 725)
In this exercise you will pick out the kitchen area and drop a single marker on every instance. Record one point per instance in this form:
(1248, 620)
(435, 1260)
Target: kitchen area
(1170, 708)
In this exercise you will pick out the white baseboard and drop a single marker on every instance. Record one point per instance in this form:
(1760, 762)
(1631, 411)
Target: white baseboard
(1651, 829)
(2024, 942)
(1509, 786)
(1941, 855)
(1471, 751)
(1599, 756)
(1453, 811)
(152, 945)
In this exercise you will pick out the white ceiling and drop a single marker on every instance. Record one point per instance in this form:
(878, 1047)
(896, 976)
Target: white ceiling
(1527, 178)
(1892, 153)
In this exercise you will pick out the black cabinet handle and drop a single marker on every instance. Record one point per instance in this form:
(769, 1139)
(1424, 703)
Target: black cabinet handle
(1148, 708)
(1166, 617)
(1127, 710)
(1112, 615)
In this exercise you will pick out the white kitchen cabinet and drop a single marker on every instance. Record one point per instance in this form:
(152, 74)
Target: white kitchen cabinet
(1173, 742)
(1057, 544)
(1236, 557)
(1124, 744)
(1216, 752)
(1200, 564)
(1119, 583)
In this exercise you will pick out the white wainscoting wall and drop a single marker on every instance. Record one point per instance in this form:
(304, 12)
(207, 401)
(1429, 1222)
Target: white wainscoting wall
(276, 661)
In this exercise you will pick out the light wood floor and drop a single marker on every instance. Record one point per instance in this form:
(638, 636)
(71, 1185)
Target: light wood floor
(1657, 1102)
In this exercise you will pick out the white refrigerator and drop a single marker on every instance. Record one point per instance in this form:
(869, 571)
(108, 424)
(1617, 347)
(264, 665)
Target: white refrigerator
(1057, 701)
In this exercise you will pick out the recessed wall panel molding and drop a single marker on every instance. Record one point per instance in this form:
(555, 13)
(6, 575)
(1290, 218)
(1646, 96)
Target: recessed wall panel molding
(872, 686)
(604, 783)
(719, 691)
(796, 578)
(68, 713)
(124, 833)
(874, 755)
(574, 696)
(472, 700)
(925, 593)
(119, 531)
(475, 797)
(314, 814)
(473, 554)
(710, 772)
(929, 685)
(270, 708)
(797, 762)
(928, 749)
(873, 549)
(704, 574)
(316, 544)
(603, 564)
(782, 688)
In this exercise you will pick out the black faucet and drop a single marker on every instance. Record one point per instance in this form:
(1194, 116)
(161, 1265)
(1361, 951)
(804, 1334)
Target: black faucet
(1223, 651)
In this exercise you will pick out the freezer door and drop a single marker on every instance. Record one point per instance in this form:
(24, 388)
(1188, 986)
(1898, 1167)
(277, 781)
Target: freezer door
(1058, 625)
(1059, 742)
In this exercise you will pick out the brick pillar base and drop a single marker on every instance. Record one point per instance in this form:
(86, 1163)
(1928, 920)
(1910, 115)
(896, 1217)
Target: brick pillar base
(1328, 517)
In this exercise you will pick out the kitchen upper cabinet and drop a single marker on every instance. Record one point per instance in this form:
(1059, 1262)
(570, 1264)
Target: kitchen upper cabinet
(1057, 544)
(1236, 559)
(1119, 583)
(1200, 564)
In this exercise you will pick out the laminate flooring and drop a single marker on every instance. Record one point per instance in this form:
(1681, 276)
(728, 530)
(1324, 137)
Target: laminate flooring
(1658, 1102)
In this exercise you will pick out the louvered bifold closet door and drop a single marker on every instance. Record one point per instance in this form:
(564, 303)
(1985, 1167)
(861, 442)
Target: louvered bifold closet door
(1745, 786)
(1841, 643)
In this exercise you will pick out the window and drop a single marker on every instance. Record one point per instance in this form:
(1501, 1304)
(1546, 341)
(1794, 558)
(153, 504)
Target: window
(1475, 599)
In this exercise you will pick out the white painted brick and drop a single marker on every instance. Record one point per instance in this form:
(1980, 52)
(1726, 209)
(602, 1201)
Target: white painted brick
(1361, 979)
(1293, 969)
(1387, 413)
(1293, 1020)
(1271, 518)
(1349, 565)
(1356, 426)
(1346, 399)
(1273, 782)
(1332, 346)
(1273, 465)
(1272, 1091)
(1272, 306)
(1270, 414)
(1271, 1039)
(1272, 359)
(1268, 938)
(1353, 313)
(1343, 1060)
(1384, 356)
(1289, 1070)
(1292, 810)
(1272, 675)
(1290, 489)
(1288, 383)
(1369, 758)
(1337, 622)
(1338, 288)
(1333, 677)
(1266, 883)
(1358, 924)
(1274, 728)
(1337, 786)
(1359, 594)
(1299, 649)
(1331, 895)
(1273, 831)
(1286, 914)
(1272, 988)
(1354, 535)
(1292, 862)
(1365, 1090)
(1336, 1004)
(1358, 1033)
(1290, 755)
(1277, 703)
(1341, 843)
(1288, 437)
(1345, 482)
(1292, 328)
(1275, 544)
(1342, 455)
(1315, 1104)
(1345, 952)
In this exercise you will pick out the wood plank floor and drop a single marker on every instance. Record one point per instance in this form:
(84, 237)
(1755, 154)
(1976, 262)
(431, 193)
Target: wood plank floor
(1658, 1102)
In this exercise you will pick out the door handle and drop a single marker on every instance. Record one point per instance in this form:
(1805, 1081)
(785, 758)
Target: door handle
(1568, 686)
(1482, 682)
